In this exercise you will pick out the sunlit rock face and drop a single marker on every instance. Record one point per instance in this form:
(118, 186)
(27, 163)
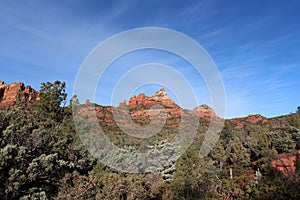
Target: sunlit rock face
(252, 119)
(8, 93)
(160, 97)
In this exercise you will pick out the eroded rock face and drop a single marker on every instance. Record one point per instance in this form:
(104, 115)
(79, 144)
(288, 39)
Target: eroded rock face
(132, 103)
(142, 101)
(285, 164)
(123, 104)
(161, 95)
(252, 119)
(205, 111)
(8, 93)
(141, 107)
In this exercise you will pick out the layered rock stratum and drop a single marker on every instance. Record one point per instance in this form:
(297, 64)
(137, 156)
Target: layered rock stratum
(9, 93)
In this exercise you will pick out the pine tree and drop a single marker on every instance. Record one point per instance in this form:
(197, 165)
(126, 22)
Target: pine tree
(51, 101)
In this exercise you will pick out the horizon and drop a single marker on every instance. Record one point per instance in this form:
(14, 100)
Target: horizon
(255, 45)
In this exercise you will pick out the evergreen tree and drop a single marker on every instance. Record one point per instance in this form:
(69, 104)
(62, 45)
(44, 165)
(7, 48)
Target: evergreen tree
(51, 101)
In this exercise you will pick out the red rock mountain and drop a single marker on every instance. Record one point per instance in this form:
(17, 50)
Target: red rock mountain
(160, 97)
(206, 112)
(8, 93)
(252, 119)
(139, 110)
(141, 107)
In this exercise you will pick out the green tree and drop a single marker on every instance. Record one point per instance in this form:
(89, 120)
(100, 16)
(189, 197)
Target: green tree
(38, 147)
(193, 178)
(218, 154)
(237, 153)
(282, 141)
(51, 101)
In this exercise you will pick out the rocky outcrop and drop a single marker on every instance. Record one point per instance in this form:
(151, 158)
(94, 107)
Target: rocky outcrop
(205, 111)
(8, 93)
(123, 104)
(161, 95)
(142, 101)
(140, 108)
(285, 164)
(252, 119)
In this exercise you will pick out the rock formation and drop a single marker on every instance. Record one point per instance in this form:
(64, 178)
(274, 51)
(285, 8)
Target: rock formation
(252, 119)
(142, 101)
(205, 111)
(285, 164)
(161, 95)
(8, 93)
(139, 108)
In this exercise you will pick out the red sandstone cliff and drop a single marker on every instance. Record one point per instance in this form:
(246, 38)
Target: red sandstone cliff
(205, 111)
(285, 164)
(160, 97)
(252, 119)
(139, 108)
(8, 93)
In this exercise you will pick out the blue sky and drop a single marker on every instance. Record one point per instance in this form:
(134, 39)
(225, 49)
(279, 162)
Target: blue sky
(255, 45)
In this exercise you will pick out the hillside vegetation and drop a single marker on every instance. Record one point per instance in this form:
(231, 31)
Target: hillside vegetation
(42, 157)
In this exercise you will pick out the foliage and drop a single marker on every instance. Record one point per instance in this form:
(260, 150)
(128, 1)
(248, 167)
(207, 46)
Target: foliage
(102, 183)
(51, 97)
(42, 157)
(36, 152)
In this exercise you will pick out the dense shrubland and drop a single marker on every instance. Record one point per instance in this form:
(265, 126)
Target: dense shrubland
(42, 157)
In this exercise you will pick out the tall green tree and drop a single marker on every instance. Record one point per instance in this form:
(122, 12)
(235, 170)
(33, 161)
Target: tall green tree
(51, 101)
(38, 147)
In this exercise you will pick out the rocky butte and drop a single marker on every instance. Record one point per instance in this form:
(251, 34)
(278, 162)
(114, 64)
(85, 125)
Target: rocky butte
(251, 119)
(160, 97)
(8, 93)
(140, 107)
(206, 112)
